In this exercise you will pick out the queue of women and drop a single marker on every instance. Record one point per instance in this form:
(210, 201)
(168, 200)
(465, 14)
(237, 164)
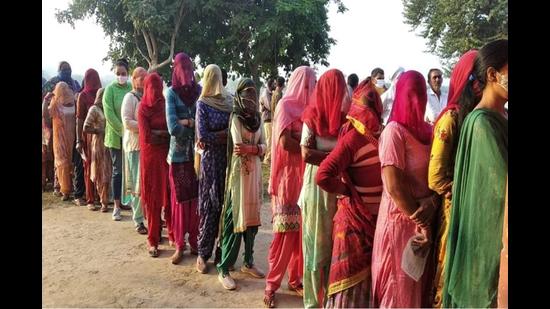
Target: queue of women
(364, 214)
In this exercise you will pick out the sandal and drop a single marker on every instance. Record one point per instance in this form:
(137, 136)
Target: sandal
(141, 229)
(91, 207)
(154, 252)
(104, 208)
(269, 299)
(298, 289)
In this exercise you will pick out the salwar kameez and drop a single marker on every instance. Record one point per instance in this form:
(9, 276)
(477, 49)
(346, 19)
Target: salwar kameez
(213, 164)
(318, 208)
(285, 251)
(241, 214)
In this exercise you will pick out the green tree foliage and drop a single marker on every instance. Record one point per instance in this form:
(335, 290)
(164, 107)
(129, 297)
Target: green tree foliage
(249, 37)
(452, 27)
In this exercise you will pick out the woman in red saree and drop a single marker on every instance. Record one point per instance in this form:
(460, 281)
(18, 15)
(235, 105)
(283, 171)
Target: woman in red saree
(352, 170)
(154, 143)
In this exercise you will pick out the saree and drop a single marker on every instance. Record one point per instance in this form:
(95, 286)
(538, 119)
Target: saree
(475, 232)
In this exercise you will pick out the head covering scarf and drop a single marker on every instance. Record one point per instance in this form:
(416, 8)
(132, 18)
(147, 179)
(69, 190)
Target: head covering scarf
(183, 81)
(99, 98)
(244, 109)
(153, 99)
(213, 93)
(65, 76)
(62, 94)
(135, 74)
(91, 84)
(459, 78)
(290, 108)
(324, 112)
(410, 105)
(366, 111)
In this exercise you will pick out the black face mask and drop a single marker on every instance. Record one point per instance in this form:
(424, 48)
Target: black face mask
(65, 74)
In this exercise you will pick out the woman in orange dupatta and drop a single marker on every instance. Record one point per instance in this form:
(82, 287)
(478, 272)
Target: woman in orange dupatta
(353, 171)
(62, 110)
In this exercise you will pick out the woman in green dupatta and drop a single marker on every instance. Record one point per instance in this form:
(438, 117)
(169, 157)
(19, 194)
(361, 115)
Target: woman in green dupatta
(240, 216)
(475, 233)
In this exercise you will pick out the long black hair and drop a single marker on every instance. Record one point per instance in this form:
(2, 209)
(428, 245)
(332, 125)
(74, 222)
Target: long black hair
(493, 54)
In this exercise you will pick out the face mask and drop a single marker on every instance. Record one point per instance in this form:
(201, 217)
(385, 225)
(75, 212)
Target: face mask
(122, 79)
(65, 74)
(503, 81)
(380, 83)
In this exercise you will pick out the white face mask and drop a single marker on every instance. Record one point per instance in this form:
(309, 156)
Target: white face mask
(503, 81)
(380, 83)
(122, 79)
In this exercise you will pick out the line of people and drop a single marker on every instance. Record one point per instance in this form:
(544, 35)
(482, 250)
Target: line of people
(365, 212)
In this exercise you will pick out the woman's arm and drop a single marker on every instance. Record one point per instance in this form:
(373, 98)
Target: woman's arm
(90, 122)
(441, 155)
(313, 156)
(128, 113)
(205, 135)
(329, 173)
(398, 188)
(309, 153)
(110, 113)
(175, 127)
(289, 143)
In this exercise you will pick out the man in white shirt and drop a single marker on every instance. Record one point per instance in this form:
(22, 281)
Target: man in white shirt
(436, 99)
(388, 96)
(266, 113)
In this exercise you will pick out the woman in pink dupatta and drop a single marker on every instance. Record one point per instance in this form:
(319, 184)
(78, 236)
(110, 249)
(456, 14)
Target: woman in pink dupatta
(285, 182)
(62, 110)
(407, 205)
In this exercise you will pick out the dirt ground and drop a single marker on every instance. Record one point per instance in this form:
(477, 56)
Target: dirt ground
(88, 260)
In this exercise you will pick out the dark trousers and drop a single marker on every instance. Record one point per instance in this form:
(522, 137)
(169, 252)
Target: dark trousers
(79, 186)
(116, 179)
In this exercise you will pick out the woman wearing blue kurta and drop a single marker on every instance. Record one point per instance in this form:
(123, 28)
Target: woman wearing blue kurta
(180, 118)
(212, 121)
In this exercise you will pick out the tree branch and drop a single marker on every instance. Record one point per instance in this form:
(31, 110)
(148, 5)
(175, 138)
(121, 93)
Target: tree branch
(141, 51)
(148, 43)
(155, 47)
(179, 19)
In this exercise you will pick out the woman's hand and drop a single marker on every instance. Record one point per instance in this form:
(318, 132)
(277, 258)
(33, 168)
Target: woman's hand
(424, 214)
(449, 190)
(187, 122)
(243, 149)
(421, 242)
